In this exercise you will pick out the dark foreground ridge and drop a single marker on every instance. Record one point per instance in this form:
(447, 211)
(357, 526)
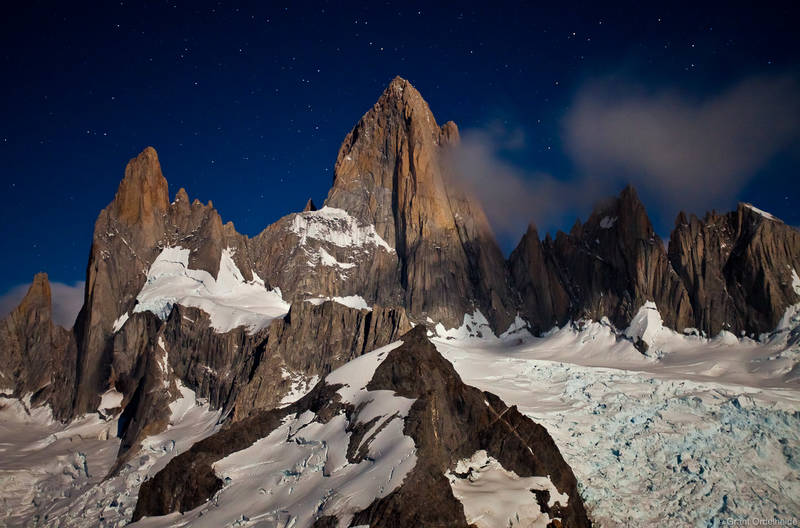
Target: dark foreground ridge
(448, 421)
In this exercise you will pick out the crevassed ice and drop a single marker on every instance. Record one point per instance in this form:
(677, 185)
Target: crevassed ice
(705, 433)
(493, 496)
(229, 300)
(337, 227)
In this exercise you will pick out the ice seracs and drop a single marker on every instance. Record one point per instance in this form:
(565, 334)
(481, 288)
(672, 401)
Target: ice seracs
(229, 300)
(647, 437)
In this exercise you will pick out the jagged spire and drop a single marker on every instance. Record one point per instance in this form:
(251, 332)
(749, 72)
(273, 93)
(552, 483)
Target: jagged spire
(143, 190)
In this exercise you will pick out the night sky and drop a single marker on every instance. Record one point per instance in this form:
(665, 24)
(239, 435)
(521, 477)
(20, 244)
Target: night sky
(247, 105)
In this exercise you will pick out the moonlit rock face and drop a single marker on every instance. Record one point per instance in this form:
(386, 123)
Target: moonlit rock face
(493, 496)
(229, 300)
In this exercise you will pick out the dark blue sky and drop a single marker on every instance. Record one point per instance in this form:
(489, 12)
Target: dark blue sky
(247, 104)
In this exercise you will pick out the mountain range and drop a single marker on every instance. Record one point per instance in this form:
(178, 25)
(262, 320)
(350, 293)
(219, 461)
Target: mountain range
(311, 342)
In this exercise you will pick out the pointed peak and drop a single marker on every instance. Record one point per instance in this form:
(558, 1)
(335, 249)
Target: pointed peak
(38, 295)
(629, 194)
(310, 206)
(40, 284)
(143, 190)
(182, 196)
(401, 95)
(397, 87)
(449, 134)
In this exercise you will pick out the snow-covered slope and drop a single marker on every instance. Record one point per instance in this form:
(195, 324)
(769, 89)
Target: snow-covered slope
(302, 469)
(58, 475)
(493, 496)
(229, 300)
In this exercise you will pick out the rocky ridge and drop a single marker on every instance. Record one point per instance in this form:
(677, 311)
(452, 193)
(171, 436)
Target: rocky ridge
(446, 420)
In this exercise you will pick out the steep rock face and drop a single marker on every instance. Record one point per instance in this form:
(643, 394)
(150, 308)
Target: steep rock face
(391, 172)
(147, 386)
(129, 234)
(739, 269)
(609, 267)
(236, 370)
(36, 355)
(326, 253)
(445, 421)
(311, 341)
(544, 299)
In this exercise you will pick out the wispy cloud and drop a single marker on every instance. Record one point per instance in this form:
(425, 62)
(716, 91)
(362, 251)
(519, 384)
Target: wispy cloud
(511, 196)
(66, 299)
(692, 154)
(680, 152)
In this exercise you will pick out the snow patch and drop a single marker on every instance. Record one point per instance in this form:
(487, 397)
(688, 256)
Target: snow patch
(759, 211)
(518, 329)
(493, 496)
(120, 322)
(351, 301)
(648, 327)
(795, 282)
(300, 386)
(337, 227)
(607, 222)
(230, 301)
(111, 399)
(326, 259)
(475, 326)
